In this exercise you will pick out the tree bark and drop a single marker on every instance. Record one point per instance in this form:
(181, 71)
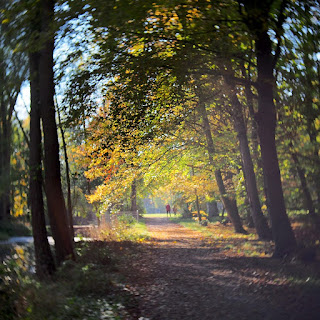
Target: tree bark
(5, 147)
(311, 114)
(305, 189)
(64, 145)
(255, 146)
(197, 200)
(134, 206)
(229, 203)
(44, 261)
(213, 210)
(259, 220)
(283, 236)
(56, 205)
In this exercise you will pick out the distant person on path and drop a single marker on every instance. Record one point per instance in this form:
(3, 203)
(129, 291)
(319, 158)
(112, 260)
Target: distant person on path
(174, 209)
(168, 208)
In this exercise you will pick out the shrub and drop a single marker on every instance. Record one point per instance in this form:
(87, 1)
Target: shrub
(13, 228)
(14, 275)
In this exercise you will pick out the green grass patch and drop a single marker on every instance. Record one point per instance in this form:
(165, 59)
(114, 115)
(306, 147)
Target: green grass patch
(225, 239)
(155, 215)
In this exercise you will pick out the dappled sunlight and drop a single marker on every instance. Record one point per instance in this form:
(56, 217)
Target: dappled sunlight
(185, 269)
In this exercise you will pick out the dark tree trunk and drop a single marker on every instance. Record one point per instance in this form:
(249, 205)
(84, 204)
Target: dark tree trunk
(134, 206)
(5, 203)
(259, 220)
(311, 114)
(229, 203)
(283, 236)
(5, 146)
(249, 218)
(6, 170)
(56, 205)
(198, 207)
(255, 146)
(213, 210)
(305, 190)
(197, 200)
(70, 217)
(43, 256)
(316, 177)
(2, 142)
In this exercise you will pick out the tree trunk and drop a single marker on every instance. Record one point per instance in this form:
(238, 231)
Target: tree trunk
(67, 177)
(255, 146)
(249, 218)
(6, 167)
(305, 190)
(134, 206)
(311, 114)
(213, 210)
(316, 174)
(283, 236)
(5, 146)
(229, 203)
(259, 220)
(197, 200)
(198, 207)
(43, 256)
(56, 205)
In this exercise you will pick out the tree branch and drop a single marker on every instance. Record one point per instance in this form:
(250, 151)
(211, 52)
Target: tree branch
(279, 31)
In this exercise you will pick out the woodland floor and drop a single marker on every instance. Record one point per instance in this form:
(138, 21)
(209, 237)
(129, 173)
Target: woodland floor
(179, 275)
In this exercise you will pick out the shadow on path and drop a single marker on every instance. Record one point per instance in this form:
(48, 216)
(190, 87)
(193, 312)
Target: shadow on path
(178, 277)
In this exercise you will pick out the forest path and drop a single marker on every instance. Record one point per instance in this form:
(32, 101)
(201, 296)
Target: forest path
(178, 276)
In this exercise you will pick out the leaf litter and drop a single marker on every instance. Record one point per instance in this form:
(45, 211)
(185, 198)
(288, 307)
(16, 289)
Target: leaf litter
(183, 274)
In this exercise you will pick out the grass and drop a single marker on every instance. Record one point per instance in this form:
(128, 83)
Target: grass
(225, 239)
(155, 215)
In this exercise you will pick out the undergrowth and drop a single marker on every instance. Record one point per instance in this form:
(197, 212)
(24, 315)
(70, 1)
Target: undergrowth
(90, 288)
(123, 228)
(13, 229)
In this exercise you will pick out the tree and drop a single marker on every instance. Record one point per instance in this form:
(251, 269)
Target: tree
(165, 37)
(56, 205)
(13, 70)
(44, 261)
(258, 22)
(259, 220)
(301, 78)
(228, 202)
(66, 160)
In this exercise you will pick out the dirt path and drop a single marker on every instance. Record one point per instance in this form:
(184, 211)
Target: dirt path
(177, 276)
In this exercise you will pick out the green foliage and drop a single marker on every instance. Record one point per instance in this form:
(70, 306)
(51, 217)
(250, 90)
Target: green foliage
(79, 290)
(14, 279)
(3, 235)
(124, 228)
(127, 220)
(13, 229)
(75, 307)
